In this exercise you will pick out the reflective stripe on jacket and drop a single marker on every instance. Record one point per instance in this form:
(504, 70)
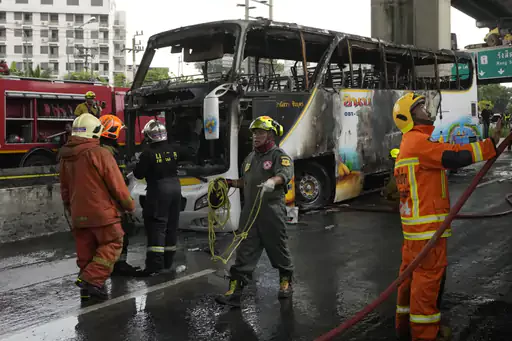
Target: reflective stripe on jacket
(422, 182)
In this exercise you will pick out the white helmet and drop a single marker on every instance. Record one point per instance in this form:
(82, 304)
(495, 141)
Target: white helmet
(155, 131)
(88, 126)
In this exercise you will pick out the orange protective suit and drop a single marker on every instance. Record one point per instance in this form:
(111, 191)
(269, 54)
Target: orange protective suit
(94, 191)
(424, 203)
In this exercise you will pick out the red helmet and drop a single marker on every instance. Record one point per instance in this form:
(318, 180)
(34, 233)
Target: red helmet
(112, 126)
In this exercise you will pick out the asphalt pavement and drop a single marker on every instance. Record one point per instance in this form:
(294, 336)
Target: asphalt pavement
(343, 259)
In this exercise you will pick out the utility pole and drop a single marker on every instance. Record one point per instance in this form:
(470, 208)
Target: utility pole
(86, 52)
(134, 49)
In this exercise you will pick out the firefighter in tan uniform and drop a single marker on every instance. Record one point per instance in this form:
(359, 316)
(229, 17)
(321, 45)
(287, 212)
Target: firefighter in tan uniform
(90, 106)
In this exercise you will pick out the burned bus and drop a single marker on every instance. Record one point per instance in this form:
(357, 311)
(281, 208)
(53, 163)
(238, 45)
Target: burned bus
(332, 92)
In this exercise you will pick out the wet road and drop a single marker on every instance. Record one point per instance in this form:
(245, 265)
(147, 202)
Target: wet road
(343, 261)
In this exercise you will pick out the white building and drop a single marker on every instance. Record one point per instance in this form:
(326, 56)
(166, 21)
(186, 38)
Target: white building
(63, 36)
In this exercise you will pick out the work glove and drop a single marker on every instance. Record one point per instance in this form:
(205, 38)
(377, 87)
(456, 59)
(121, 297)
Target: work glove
(131, 218)
(268, 186)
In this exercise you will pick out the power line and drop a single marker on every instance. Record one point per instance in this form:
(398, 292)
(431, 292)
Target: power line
(134, 50)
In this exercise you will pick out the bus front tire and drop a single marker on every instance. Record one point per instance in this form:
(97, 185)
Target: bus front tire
(312, 186)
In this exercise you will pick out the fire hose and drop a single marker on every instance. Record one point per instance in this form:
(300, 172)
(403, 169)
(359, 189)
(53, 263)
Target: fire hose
(414, 264)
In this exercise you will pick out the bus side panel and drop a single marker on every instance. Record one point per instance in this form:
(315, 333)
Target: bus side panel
(459, 123)
(365, 133)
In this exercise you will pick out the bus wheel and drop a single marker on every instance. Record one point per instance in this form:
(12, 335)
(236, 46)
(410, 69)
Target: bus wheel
(312, 186)
(38, 160)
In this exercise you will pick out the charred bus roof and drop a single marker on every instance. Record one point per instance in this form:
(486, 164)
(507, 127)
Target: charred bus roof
(276, 40)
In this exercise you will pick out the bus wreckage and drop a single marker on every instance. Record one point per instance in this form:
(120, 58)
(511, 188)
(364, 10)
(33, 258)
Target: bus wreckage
(332, 92)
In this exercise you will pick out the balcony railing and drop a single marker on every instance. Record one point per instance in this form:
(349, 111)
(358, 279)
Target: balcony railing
(53, 55)
(26, 38)
(103, 41)
(120, 37)
(104, 56)
(53, 39)
(3, 54)
(103, 23)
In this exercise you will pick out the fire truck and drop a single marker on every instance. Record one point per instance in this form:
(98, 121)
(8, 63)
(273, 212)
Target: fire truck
(35, 113)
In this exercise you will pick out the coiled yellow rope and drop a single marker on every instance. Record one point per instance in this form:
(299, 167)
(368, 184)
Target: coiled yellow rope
(219, 214)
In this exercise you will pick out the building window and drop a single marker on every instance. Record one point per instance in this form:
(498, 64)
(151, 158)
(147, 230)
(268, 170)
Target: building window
(44, 49)
(70, 66)
(18, 32)
(94, 34)
(3, 50)
(17, 15)
(46, 2)
(79, 67)
(96, 66)
(69, 17)
(54, 51)
(44, 66)
(27, 34)
(79, 18)
(73, 3)
(44, 33)
(79, 34)
(70, 50)
(19, 66)
(54, 18)
(17, 49)
(56, 67)
(69, 34)
(22, 1)
(3, 33)
(45, 17)
(105, 67)
(28, 50)
(54, 36)
(3, 17)
(98, 3)
(27, 17)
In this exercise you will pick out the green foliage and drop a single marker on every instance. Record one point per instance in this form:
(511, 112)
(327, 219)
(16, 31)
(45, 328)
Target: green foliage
(498, 95)
(85, 76)
(120, 80)
(156, 74)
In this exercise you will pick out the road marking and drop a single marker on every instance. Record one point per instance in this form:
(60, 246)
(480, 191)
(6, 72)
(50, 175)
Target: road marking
(67, 314)
(143, 291)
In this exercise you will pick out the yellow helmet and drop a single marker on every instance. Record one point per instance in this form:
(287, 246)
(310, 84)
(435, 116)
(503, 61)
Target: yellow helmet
(90, 94)
(394, 153)
(402, 111)
(88, 126)
(268, 124)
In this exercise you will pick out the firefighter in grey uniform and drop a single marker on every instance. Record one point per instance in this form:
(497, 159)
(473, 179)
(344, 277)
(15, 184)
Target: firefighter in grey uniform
(161, 212)
(267, 168)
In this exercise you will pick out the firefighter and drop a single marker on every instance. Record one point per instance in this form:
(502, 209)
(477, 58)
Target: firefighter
(267, 168)
(112, 127)
(162, 206)
(424, 204)
(90, 106)
(506, 119)
(390, 191)
(94, 193)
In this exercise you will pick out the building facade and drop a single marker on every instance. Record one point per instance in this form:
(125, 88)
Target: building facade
(63, 36)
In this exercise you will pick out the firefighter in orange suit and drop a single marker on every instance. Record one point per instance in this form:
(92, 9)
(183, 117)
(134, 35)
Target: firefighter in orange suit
(424, 203)
(94, 195)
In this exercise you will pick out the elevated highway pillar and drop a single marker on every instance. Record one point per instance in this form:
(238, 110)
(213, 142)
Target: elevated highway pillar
(423, 23)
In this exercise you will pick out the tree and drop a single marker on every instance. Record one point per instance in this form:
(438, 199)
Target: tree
(498, 95)
(14, 71)
(120, 80)
(156, 74)
(85, 76)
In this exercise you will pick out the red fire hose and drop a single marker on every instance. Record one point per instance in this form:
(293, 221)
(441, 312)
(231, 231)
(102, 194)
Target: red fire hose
(408, 271)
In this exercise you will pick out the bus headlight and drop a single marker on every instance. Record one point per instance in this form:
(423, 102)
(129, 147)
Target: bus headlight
(202, 202)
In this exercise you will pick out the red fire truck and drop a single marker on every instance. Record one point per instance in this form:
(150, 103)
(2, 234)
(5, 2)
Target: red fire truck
(34, 111)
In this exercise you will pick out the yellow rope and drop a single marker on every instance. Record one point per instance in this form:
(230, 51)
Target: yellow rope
(217, 220)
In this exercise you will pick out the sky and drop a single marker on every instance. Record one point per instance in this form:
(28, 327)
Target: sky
(349, 16)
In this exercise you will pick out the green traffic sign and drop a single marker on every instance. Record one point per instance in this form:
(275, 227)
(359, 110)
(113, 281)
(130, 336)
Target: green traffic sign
(495, 63)
(463, 71)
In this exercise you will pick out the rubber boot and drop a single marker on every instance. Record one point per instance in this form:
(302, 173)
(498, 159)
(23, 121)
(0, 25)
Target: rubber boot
(84, 294)
(122, 268)
(233, 296)
(285, 287)
(169, 259)
(445, 334)
(94, 291)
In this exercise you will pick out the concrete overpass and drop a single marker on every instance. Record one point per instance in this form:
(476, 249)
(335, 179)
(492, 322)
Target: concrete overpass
(426, 23)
